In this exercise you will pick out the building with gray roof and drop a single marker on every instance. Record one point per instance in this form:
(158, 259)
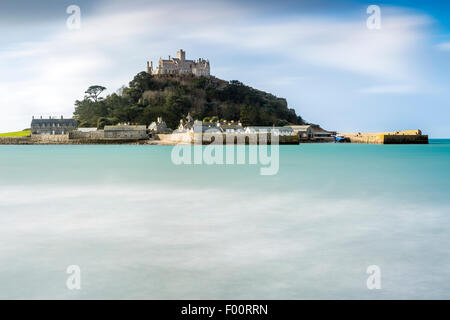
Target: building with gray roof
(53, 126)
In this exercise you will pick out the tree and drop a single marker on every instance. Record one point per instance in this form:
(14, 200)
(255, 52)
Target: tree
(102, 122)
(281, 123)
(250, 116)
(148, 97)
(87, 112)
(93, 93)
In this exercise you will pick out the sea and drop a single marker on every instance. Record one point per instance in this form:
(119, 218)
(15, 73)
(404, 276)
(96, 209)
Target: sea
(335, 221)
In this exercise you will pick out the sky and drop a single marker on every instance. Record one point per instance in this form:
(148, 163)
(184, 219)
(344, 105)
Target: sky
(320, 55)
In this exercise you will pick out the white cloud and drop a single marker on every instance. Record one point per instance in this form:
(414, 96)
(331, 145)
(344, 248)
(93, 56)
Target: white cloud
(390, 89)
(444, 46)
(339, 44)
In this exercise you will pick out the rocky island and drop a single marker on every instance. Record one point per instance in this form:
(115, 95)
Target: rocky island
(179, 101)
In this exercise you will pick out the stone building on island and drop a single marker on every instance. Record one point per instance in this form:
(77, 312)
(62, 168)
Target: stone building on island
(159, 126)
(180, 65)
(53, 126)
(190, 125)
(125, 131)
(313, 133)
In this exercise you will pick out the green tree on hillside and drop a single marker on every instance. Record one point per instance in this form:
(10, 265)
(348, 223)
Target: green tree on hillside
(172, 97)
(93, 93)
(249, 116)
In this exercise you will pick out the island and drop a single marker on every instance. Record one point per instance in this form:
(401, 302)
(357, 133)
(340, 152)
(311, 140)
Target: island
(181, 102)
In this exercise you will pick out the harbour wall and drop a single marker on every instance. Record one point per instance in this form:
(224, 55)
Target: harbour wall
(397, 137)
(37, 139)
(175, 138)
(15, 140)
(109, 134)
(98, 137)
(224, 138)
(92, 138)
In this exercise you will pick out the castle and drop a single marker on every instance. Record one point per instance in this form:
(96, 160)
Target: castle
(180, 65)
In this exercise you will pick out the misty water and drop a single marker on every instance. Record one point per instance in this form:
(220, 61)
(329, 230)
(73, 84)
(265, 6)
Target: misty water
(139, 226)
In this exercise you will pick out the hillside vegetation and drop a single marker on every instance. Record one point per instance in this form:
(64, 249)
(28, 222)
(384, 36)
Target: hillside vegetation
(174, 96)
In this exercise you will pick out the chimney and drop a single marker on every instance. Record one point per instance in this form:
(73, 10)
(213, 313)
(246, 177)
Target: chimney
(33, 117)
(41, 117)
(62, 117)
(148, 67)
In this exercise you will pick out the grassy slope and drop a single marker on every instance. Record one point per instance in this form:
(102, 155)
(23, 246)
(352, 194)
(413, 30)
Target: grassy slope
(16, 134)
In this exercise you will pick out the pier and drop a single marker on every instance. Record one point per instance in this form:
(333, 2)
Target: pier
(397, 137)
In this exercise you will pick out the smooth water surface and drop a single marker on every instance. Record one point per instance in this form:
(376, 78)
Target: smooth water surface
(141, 227)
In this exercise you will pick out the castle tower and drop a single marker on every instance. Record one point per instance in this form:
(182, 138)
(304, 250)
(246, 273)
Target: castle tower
(181, 54)
(150, 67)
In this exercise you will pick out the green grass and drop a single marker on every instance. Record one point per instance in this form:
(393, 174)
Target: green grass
(16, 134)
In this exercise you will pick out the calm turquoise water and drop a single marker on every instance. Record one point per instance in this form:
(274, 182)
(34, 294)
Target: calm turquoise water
(141, 227)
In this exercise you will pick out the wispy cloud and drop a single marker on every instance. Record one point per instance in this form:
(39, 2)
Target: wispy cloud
(389, 89)
(341, 44)
(444, 46)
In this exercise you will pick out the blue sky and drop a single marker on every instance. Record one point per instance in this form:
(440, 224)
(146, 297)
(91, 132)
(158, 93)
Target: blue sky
(319, 55)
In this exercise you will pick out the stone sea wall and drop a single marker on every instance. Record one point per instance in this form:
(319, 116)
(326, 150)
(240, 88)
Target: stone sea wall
(50, 139)
(15, 140)
(76, 138)
(109, 134)
(246, 138)
(98, 137)
(87, 135)
(397, 137)
(37, 139)
(175, 138)
(228, 138)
